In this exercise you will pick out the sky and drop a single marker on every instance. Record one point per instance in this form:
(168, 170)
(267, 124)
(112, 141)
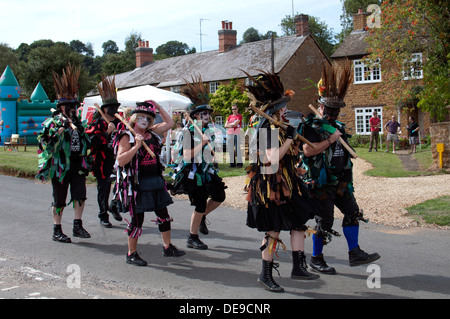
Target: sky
(97, 21)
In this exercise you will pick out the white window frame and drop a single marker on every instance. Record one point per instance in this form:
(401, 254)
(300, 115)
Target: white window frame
(213, 86)
(362, 117)
(414, 73)
(366, 74)
(218, 119)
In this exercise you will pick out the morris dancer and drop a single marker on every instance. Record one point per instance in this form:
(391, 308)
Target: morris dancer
(277, 199)
(102, 136)
(63, 154)
(140, 185)
(196, 174)
(329, 169)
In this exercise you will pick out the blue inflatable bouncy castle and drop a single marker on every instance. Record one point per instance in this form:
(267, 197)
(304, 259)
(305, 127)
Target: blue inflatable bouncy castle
(22, 117)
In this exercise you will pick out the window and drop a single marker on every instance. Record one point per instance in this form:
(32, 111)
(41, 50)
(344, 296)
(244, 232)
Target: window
(213, 86)
(175, 89)
(362, 116)
(218, 120)
(365, 73)
(413, 68)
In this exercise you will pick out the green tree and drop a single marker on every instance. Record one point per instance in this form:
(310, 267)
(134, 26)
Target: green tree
(228, 95)
(42, 61)
(110, 47)
(7, 57)
(409, 27)
(319, 30)
(253, 35)
(172, 49)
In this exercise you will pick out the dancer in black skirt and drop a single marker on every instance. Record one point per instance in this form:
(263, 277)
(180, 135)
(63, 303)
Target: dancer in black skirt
(278, 200)
(140, 185)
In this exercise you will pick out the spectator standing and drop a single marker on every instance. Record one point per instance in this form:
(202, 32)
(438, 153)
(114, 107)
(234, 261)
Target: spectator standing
(413, 133)
(234, 124)
(393, 128)
(374, 123)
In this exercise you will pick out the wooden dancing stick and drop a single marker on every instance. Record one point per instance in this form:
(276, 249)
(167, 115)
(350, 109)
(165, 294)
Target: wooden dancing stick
(134, 133)
(282, 125)
(65, 119)
(99, 109)
(201, 133)
(347, 147)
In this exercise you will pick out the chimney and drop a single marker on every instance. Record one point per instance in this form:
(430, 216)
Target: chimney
(227, 36)
(302, 25)
(144, 54)
(360, 20)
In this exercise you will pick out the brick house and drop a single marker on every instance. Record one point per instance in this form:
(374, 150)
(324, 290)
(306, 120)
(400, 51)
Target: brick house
(294, 58)
(359, 101)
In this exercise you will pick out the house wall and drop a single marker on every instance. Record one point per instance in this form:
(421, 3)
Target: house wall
(305, 64)
(360, 96)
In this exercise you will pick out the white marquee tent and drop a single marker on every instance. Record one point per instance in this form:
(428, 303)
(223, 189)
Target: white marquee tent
(171, 102)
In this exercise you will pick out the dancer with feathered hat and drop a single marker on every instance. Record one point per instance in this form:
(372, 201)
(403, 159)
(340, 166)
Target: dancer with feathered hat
(277, 198)
(102, 133)
(197, 174)
(63, 154)
(329, 170)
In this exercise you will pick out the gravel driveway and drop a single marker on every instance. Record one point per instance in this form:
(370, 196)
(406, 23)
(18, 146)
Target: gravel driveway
(383, 199)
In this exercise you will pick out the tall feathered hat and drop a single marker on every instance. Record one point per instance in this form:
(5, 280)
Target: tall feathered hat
(66, 85)
(267, 93)
(198, 93)
(108, 91)
(332, 90)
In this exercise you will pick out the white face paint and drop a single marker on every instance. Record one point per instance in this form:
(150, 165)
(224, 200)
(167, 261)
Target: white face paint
(204, 117)
(142, 122)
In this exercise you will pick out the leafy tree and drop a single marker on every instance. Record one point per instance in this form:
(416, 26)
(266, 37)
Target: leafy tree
(319, 30)
(110, 47)
(42, 61)
(226, 96)
(407, 27)
(7, 57)
(172, 49)
(253, 35)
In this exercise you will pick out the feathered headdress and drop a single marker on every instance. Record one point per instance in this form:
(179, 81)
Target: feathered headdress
(332, 90)
(198, 93)
(267, 93)
(108, 91)
(66, 85)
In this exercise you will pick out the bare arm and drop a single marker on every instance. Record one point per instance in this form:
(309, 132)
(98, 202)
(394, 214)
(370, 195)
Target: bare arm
(168, 123)
(125, 152)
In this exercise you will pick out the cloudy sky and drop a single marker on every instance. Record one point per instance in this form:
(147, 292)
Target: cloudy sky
(97, 21)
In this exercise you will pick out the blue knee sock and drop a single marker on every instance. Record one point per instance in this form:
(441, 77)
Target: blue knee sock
(351, 233)
(317, 245)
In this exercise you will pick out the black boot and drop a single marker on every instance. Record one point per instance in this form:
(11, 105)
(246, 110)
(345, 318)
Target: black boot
(78, 230)
(59, 236)
(104, 220)
(318, 264)
(114, 211)
(357, 257)
(265, 277)
(194, 242)
(299, 267)
(203, 228)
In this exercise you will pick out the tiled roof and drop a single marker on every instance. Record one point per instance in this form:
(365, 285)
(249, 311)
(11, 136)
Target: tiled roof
(213, 65)
(353, 45)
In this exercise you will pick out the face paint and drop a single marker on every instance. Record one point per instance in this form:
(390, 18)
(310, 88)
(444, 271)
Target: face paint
(204, 117)
(142, 122)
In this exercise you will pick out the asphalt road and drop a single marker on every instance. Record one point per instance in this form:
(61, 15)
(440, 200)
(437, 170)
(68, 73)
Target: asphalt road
(414, 262)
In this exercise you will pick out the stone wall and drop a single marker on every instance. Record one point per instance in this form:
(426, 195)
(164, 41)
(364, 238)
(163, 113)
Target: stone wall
(440, 133)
